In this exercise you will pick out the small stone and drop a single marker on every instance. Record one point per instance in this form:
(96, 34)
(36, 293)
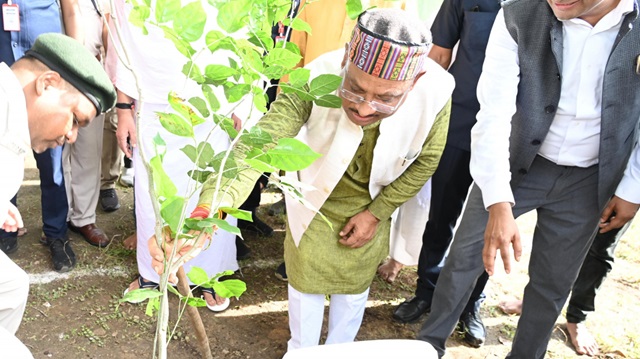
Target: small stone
(100, 332)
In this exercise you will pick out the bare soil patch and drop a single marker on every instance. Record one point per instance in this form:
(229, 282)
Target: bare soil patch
(77, 315)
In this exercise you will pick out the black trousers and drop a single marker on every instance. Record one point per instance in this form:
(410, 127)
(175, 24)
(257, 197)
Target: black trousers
(449, 187)
(594, 270)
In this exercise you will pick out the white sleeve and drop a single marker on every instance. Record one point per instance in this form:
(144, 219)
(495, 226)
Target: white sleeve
(629, 187)
(497, 91)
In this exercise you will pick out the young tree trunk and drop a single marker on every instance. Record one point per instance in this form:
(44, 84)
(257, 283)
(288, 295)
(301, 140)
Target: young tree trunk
(194, 317)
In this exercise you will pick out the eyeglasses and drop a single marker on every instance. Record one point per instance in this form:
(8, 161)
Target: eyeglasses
(357, 99)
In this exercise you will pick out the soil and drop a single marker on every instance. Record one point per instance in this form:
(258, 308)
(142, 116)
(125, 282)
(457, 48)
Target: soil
(78, 314)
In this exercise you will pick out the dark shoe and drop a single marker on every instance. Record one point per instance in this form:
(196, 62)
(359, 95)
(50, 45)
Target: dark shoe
(278, 208)
(281, 272)
(257, 226)
(473, 328)
(242, 251)
(9, 244)
(109, 200)
(411, 310)
(92, 234)
(61, 254)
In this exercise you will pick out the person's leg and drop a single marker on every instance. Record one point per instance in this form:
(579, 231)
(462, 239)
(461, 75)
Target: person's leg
(111, 153)
(54, 196)
(459, 275)
(14, 289)
(84, 179)
(12, 347)
(594, 270)
(111, 162)
(564, 230)
(450, 185)
(306, 312)
(345, 316)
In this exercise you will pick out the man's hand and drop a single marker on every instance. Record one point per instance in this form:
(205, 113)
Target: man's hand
(359, 230)
(617, 213)
(501, 232)
(13, 221)
(237, 122)
(186, 250)
(126, 129)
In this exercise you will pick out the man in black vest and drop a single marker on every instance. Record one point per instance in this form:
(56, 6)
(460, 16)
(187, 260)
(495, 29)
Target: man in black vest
(556, 133)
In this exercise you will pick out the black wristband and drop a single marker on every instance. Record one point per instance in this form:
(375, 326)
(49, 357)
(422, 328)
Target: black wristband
(124, 105)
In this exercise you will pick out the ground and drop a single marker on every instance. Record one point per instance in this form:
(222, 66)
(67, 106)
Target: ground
(78, 315)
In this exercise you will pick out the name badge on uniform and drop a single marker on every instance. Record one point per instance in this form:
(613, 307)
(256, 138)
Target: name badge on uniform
(11, 17)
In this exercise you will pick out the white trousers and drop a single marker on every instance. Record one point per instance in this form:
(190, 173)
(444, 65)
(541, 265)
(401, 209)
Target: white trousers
(306, 314)
(14, 289)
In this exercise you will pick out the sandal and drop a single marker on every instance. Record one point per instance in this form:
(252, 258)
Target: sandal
(217, 307)
(142, 284)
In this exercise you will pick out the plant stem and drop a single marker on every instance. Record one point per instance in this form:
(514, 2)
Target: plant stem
(194, 317)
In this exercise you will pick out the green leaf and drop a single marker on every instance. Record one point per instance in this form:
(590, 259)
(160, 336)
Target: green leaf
(153, 305)
(298, 24)
(190, 151)
(166, 10)
(262, 39)
(198, 276)
(301, 92)
(230, 168)
(299, 77)
(261, 164)
(216, 40)
(199, 176)
(159, 145)
(354, 9)
(292, 47)
(251, 60)
(192, 71)
(226, 124)
(275, 72)
(194, 302)
(140, 295)
(205, 151)
(229, 288)
(139, 14)
(238, 213)
(211, 98)
(181, 45)
(234, 15)
(332, 101)
(200, 105)
(282, 57)
(171, 211)
(291, 155)
(256, 137)
(235, 92)
(218, 73)
(220, 223)
(189, 21)
(175, 124)
(173, 290)
(259, 99)
(324, 84)
(163, 185)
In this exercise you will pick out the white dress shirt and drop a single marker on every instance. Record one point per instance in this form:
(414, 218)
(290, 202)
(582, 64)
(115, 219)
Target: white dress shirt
(14, 137)
(574, 135)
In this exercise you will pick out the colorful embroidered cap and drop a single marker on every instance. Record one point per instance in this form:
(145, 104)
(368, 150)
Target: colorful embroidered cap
(384, 57)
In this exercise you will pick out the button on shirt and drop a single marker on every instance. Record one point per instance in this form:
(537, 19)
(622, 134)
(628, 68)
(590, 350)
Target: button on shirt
(574, 136)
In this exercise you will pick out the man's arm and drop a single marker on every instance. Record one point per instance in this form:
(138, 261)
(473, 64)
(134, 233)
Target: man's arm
(624, 205)
(441, 55)
(489, 165)
(361, 228)
(72, 18)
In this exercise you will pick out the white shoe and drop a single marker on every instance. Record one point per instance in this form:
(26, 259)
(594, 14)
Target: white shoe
(126, 177)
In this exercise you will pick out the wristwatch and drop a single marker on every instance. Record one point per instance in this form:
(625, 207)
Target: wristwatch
(124, 105)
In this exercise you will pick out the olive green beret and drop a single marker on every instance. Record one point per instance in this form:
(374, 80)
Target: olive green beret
(77, 66)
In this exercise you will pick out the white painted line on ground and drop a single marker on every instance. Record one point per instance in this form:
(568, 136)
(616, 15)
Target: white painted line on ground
(50, 276)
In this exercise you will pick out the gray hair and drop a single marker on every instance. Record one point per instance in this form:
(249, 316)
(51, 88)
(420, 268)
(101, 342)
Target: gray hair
(396, 25)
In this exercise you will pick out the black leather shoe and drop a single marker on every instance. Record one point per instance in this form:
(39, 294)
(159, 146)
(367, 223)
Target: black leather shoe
(242, 251)
(473, 328)
(61, 254)
(109, 200)
(257, 226)
(411, 310)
